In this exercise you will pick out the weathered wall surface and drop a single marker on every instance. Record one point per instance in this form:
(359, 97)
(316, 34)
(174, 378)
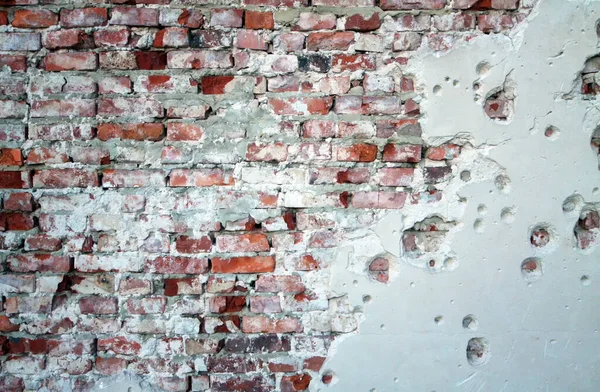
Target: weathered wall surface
(342, 195)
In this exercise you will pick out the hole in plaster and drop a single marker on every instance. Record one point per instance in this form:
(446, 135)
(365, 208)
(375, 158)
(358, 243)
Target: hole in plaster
(476, 86)
(396, 380)
(540, 236)
(447, 78)
(482, 209)
(470, 322)
(328, 378)
(456, 83)
(479, 226)
(437, 90)
(379, 269)
(439, 320)
(552, 132)
(595, 143)
(465, 176)
(585, 280)
(531, 268)
(382, 327)
(366, 299)
(500, 102)
(587, 229)
(478, 351)
(502, 183)
(483, 68)
(595, 191)
(589, 76)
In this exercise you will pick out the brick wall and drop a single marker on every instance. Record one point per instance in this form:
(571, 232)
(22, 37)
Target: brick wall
(176, 177)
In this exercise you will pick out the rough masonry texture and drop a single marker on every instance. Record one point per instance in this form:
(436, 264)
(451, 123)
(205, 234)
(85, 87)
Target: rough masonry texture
(177, 175)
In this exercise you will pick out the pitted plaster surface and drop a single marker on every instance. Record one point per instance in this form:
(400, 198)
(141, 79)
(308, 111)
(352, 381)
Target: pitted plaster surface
(543, 335)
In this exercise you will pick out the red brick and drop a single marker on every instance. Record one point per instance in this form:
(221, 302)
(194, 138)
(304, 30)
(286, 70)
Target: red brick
(200, 178)
(43, 242)
(110, 366)
(301, 106)
(359, 22)
(309, 21)
(146, 305)
(139, 132)
(80, 61)
(412, 4)
(395, 176)
(243, 265)
(3, 18)
(113, 37)
(133, 178)
(226, 17)
(39, 263)
(252, 39)
(98, 305)
(383, 200)
(14, 180)
(20, 41)
(172, 37)
(279, 283)
(134, 16)
(402, 153)
(186, 244)
(227, 304)
(17, 221)
(16, 63)
(259, 20)
(63, 39)
(184, 132)
(356, 153)
(243, 243)
(297, 382)
(64, 108)
(10, 157)
(262, 324)
(18, 202)
(65, 178)
(182, 286)
(46, 155)
(119, 345)
(276, 152)
(177, 265)
(83, 17)
(34, 18)
(329, 41)
(120, 106)
(352, 62)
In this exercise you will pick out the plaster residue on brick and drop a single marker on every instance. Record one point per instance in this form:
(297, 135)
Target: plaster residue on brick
(516, 311)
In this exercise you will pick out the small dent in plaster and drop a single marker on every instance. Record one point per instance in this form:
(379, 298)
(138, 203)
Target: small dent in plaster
(439, 320)
(367, 299)
(503, 183)
(437, 90)
(465, 176)
(478, 351)
(585, 280)
(479, 226)
(482, 209)
(470, 322)
(531, 268)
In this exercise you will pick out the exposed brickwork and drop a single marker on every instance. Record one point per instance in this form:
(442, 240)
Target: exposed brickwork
(176, 178)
